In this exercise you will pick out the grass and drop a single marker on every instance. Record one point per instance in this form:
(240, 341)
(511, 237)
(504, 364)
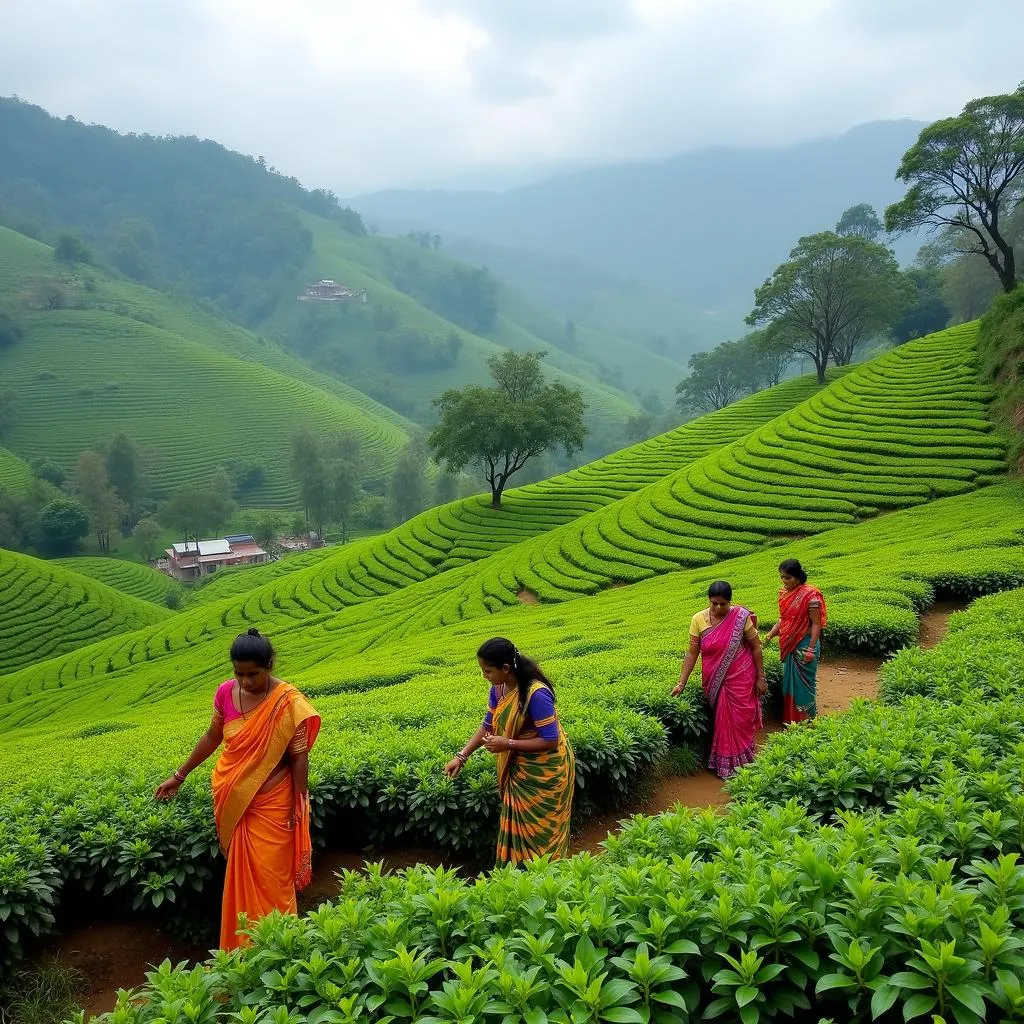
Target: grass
(40, 995)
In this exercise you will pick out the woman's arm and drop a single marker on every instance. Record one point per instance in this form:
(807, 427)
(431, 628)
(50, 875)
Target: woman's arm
(476, 741)
(754, 643)
(688, 664)
(773, 632)
(815, 616)
(208, 743)
(536, 745)
(300, 773)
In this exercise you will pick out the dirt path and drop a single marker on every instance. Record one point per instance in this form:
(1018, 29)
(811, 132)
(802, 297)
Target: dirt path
(118, 954)
(840, 682)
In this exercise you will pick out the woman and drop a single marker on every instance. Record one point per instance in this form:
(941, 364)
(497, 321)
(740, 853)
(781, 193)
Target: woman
(536, 766)
(260, 785)
(802, 617)
(725, 637)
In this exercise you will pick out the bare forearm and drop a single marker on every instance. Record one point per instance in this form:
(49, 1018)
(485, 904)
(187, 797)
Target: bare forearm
(300, 773)
(536, 745)
(476, 741)
(687, 669)
(203, 749)
(755, 653)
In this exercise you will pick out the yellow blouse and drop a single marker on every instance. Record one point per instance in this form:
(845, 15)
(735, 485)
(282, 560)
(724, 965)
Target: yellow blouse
(701, 623)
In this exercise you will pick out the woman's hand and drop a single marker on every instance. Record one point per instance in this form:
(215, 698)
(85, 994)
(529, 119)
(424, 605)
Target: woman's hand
(762, 685)
(168, 789)
(678, 688)
(497, 744)
(453, 767)
(808, 656)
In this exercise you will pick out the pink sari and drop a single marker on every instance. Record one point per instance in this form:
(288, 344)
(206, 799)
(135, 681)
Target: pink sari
(730, 685)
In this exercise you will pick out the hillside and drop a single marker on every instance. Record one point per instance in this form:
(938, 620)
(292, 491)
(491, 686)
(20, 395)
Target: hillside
(194, 389)
(190, 217)
(464, 531)
(396, 346)
(130, 578)
(900, 431)
(14, 472)
(699, 226)
(48, 610)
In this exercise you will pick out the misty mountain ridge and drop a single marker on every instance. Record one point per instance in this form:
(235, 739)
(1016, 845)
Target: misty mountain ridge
(705, 227)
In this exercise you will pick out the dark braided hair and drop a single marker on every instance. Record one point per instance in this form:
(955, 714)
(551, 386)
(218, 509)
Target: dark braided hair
(500, 652)
(791, 567)
(253, 646)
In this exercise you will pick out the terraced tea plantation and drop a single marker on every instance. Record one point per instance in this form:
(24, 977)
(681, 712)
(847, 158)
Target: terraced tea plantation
(802, 473)
(47, 610)
(129, 577)
(919, 797)
(15, 474)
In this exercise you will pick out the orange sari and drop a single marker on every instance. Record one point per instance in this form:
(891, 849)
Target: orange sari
(265, 836)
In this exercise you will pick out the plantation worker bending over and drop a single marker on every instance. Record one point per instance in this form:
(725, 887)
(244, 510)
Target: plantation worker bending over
(536, 765)
(802, 617)
(725, 637)
(260, 785)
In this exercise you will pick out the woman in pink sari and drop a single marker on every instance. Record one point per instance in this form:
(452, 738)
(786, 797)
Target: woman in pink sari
(725, 638)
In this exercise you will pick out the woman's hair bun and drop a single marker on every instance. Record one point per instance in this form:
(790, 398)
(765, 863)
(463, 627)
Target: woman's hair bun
(254, 631)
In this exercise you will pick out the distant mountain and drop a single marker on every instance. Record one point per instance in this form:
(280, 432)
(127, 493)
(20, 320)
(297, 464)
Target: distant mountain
(704, 227)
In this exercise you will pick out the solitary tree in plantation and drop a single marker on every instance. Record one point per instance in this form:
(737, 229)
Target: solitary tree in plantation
(833, 292)
(502, 427)
(966, 174)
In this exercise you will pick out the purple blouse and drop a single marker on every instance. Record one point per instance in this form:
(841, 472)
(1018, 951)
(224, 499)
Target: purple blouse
(540, 711)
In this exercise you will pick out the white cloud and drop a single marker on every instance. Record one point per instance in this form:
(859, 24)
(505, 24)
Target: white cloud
(357, 95)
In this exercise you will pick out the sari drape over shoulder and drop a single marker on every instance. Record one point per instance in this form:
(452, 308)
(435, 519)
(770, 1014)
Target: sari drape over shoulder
(264, 835)
(536, 789)
(799, 677)
(730, 685)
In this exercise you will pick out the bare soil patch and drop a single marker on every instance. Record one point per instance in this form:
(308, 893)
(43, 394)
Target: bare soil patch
(527, 597)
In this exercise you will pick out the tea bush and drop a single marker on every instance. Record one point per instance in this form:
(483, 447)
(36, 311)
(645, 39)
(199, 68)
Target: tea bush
(791, 478)
(131, 578)
(908, 908)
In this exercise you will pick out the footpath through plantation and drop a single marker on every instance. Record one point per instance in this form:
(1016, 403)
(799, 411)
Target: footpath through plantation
(867, 866)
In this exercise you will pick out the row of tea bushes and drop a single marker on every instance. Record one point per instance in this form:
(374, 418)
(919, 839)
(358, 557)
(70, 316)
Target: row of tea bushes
(914, 911)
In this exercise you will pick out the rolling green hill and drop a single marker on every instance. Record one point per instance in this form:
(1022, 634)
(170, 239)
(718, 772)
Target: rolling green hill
(130, 578)
(193, 388)
(14, 472)
(900, 431)
(48, 610)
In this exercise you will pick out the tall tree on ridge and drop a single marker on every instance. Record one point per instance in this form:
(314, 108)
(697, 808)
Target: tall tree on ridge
(967, 173)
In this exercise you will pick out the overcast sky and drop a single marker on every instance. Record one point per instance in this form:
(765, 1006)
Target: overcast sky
(358, 95)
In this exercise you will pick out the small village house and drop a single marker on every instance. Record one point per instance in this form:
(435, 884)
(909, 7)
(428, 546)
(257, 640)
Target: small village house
(189, 561)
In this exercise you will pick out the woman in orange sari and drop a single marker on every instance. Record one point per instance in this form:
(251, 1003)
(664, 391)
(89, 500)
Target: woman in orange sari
(536, 764)
(260, 786)
(802, 617)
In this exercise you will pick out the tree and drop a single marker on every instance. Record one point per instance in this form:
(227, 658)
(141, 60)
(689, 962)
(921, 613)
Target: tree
(967, 173)
(62, 525)
(929, 312)
(502, 427)
(8, 411)
(124, 470)
(70, 248)
(834, 292)
(92, 486)
(717, 378)
(446, 488)
(409, 482)
(310, 473)
(771, 357)
(198, 510)
(344, 492)
(861, 221)
(12, 328)
(49, 471)
(264, 527)
(147, 534)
